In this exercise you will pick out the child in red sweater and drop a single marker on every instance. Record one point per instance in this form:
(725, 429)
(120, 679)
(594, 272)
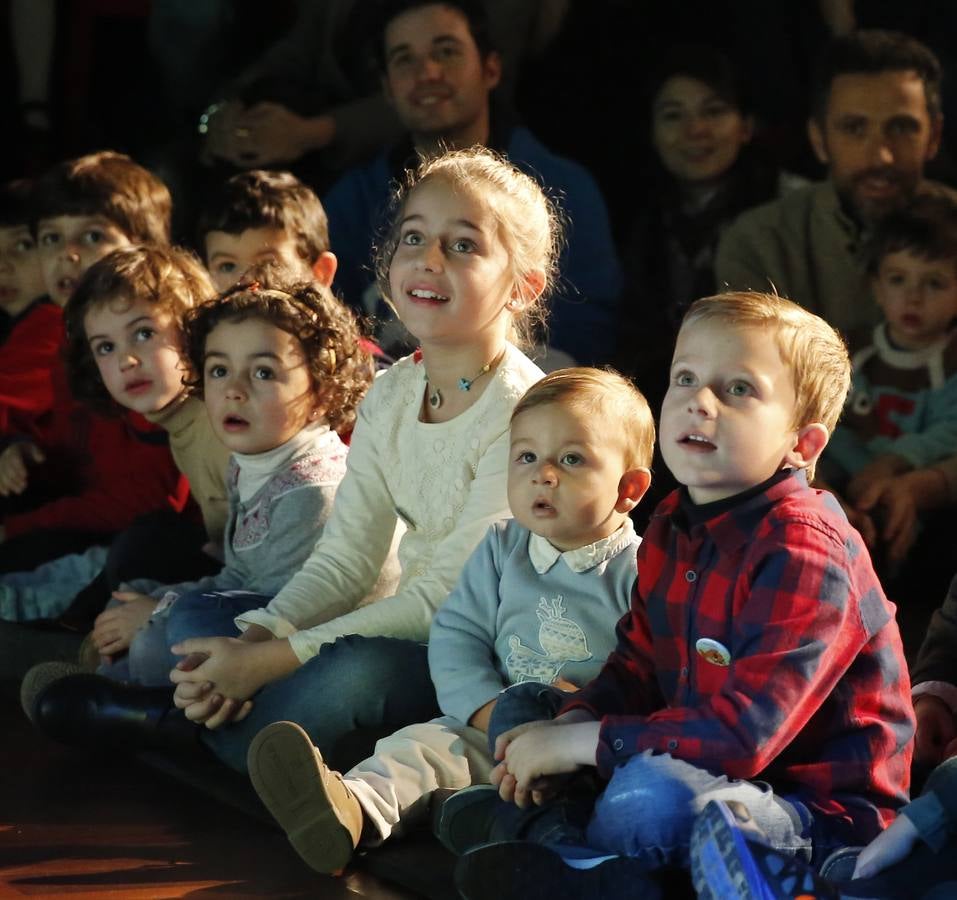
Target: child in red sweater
(29, 323)
(99, 471)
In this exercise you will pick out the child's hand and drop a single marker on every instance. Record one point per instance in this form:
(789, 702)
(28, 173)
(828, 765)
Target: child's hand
(114, 628)
(538, 753)
(228, 667)
(14, 476)
(889, 847)
(199, 702)
(506, 737)
(936, 728)
(900, 514)
(882, 470)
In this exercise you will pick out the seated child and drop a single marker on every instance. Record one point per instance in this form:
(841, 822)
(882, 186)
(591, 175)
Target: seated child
(901, 414)
(76, 480)
(536, 602)
(123, 326)
(472, 250)
(259, 218)
(912, 858)
(279, 372)
(31, 330)
(262, 217)
(760, 661)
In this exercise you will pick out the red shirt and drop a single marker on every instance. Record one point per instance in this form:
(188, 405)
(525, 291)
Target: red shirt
(27, 360)
(113, 469)
(804, 684)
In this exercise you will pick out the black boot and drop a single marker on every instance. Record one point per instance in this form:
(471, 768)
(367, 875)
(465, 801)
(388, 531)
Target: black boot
(92, 711)
(476, 816)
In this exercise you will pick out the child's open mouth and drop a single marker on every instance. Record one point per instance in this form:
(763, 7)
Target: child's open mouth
(422, 295)
(138, 387)
(66, 285)
(235, 423)
(697, 442)
(543, 508)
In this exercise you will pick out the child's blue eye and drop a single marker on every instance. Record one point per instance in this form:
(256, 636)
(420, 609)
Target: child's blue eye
(684, 379)
(463, 245)
(103, 348)
(24, 245)
(571, 459)
(525, 457)
(49, 238)
(94, 236)
(216, 371)
(144, 334)
(263, 373)
(226, 268)
(412, 238)
(739, 389)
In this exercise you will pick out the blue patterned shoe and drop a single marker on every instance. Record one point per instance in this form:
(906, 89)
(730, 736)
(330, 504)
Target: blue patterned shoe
(727, 863)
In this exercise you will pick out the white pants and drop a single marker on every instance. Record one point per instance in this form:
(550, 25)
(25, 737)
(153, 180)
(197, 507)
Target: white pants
(393, 785)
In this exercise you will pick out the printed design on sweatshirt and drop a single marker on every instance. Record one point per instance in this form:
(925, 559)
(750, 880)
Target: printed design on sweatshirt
(562, 640)
(252, 524)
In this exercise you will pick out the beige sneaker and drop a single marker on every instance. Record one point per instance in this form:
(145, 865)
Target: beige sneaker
(320, 816)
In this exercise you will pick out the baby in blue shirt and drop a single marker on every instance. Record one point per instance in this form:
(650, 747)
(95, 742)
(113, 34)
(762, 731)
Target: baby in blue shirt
(536, 604)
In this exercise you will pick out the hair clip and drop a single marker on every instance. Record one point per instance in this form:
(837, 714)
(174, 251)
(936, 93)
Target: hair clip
(253, 286)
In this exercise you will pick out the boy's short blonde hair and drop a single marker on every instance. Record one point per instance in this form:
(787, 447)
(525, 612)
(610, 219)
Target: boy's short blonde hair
(609, 398)
(813, 350)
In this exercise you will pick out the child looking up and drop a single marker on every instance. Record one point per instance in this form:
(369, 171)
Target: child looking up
(30, 330)
(472, 250)
(760, 662)
(535, 606)
(262, 217)
(278, 370)
(901, 414)
(84, 209)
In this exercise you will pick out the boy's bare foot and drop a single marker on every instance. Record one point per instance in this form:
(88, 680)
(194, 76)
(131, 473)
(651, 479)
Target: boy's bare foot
(320, 816)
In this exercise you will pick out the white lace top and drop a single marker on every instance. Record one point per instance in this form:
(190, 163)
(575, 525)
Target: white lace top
(446, 483)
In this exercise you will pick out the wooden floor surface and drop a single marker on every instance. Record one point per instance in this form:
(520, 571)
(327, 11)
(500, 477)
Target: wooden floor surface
(71, 825)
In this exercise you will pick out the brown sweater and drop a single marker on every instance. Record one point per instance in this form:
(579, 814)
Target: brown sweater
(200, 456)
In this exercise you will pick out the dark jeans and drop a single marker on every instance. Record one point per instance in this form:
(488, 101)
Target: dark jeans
(163, 546)
(528, 701)
(374, 685)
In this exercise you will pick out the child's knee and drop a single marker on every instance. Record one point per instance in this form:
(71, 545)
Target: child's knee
(647, 810)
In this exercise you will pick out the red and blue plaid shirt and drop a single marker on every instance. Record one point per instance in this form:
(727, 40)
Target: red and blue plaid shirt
(804, 684)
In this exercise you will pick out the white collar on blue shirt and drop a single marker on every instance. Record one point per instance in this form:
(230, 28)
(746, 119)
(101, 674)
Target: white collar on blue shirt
(543, 555)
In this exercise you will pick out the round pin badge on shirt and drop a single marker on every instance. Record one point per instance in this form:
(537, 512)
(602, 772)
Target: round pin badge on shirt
(713, 651)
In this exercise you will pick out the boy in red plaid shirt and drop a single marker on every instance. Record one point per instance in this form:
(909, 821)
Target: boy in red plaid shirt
(760, 662)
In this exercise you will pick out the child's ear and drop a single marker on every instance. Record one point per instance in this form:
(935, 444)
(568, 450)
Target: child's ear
(631, 488)
(324, 268)
(810, 443)
(527, 290)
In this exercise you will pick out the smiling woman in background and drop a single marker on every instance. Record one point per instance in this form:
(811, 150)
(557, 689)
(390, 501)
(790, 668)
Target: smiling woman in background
(706, 173)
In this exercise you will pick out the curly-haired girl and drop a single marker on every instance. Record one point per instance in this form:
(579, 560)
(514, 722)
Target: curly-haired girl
(281, 370)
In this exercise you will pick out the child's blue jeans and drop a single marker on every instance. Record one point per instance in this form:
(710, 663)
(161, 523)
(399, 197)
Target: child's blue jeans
(650, 804)
(373, 683)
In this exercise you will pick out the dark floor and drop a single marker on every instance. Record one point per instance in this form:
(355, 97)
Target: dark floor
(119, 828)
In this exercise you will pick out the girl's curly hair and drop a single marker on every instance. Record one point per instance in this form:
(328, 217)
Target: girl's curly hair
(340, 368)
(170, 277)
